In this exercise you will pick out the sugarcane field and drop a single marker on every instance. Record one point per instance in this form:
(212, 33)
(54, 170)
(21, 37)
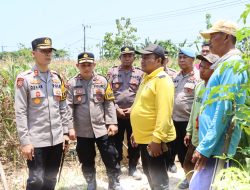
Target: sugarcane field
(125, 95)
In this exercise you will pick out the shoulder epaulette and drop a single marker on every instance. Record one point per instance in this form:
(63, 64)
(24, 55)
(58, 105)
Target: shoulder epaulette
(26, 73)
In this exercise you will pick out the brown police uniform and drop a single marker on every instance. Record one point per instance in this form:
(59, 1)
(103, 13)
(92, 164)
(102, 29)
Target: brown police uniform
(125, 84)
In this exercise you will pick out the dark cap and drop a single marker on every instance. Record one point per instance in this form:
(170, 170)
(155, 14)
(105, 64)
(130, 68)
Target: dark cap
(127, 49)
(166, 54)
(86, 57)
(152, 48)
(210, 58)
(42, 43)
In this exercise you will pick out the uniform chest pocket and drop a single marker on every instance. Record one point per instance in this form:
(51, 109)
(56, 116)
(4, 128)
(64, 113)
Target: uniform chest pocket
(98, 95)
(133, 85)
(37, 97)
(189, 88)
(80, 96)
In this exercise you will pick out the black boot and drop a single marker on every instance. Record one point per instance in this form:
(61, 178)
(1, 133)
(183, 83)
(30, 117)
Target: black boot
(114, 182)
(91, 181)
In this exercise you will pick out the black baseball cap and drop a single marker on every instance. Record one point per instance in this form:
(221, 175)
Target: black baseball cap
(152, 48)
(86, 57)
(42, 43)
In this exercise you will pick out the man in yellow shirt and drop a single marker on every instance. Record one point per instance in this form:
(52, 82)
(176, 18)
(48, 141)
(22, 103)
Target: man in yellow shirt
(151, 116)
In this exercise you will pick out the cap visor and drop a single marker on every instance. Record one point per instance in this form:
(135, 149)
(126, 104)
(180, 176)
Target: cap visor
(127, 52)
(86, 61)
(46, 47)
(202, 58)
(143, 52)
(206, 34)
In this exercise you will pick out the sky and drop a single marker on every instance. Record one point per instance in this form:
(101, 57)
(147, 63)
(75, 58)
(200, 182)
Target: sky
(63, 20)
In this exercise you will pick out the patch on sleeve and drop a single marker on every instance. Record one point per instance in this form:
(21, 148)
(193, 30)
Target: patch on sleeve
(19, 82)
(64, 91)
(109, 95)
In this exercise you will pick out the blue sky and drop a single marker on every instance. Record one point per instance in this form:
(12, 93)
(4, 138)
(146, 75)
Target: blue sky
(24, 20)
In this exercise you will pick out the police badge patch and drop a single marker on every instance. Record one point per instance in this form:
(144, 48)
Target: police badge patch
(19, 82)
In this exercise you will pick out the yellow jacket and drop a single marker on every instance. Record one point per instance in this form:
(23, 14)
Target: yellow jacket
(151, 115)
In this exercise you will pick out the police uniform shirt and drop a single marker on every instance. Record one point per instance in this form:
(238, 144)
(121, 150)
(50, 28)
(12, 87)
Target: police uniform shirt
(91, 106)
(40, 107)
(125, 85)
(184, 95)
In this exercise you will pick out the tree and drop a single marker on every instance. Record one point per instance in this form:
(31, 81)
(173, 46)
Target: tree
(125, 35)
(61, 54)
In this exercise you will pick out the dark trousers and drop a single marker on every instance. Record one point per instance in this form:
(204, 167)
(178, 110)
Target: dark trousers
(177, 146)
(133, 153)
(86, 152)
(44, 167)
(155, 169)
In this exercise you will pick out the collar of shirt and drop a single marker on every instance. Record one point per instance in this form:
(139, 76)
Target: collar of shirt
(153, 74)
(186, 75)
(120, 68)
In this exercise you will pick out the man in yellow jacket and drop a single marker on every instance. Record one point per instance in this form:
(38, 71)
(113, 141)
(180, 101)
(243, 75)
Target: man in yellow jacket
(151, 116)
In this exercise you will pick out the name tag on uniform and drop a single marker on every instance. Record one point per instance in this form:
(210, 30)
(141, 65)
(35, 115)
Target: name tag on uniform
(56, 81)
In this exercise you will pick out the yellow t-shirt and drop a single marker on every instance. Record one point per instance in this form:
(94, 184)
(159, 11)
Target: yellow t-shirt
(151, 115)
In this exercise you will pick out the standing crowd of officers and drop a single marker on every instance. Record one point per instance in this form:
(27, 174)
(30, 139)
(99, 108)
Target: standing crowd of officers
(156, 107)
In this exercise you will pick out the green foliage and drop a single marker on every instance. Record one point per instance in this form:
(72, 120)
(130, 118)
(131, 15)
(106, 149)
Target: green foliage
(125, 35)
(232, 178)
(60, 54)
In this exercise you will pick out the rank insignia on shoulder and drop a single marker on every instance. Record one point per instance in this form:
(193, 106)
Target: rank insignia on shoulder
(19, 82)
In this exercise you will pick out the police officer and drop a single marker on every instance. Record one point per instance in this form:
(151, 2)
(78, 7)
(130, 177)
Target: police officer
(185, 82)
(125, 80)
(171, 72)
(41, 117)
(93, 118)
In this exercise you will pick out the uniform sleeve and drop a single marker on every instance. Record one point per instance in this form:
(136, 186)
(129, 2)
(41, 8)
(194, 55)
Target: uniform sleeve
(220, 122)
(21, 109)
(109, 107)
(70, 96)
(192, 117)
(164, 108)
(64, 111)
(110, 80)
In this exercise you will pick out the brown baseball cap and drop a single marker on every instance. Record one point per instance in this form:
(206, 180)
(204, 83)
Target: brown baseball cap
(211, 58)
(224, 26)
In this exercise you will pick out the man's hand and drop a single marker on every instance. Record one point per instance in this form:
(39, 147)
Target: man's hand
(112, 130)
(65, 143)
(120, 113)
(199, 160)
(132, 141)
(155, 149)
(72, 134)
(187, 139)
(127, 112)
(28, 151)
